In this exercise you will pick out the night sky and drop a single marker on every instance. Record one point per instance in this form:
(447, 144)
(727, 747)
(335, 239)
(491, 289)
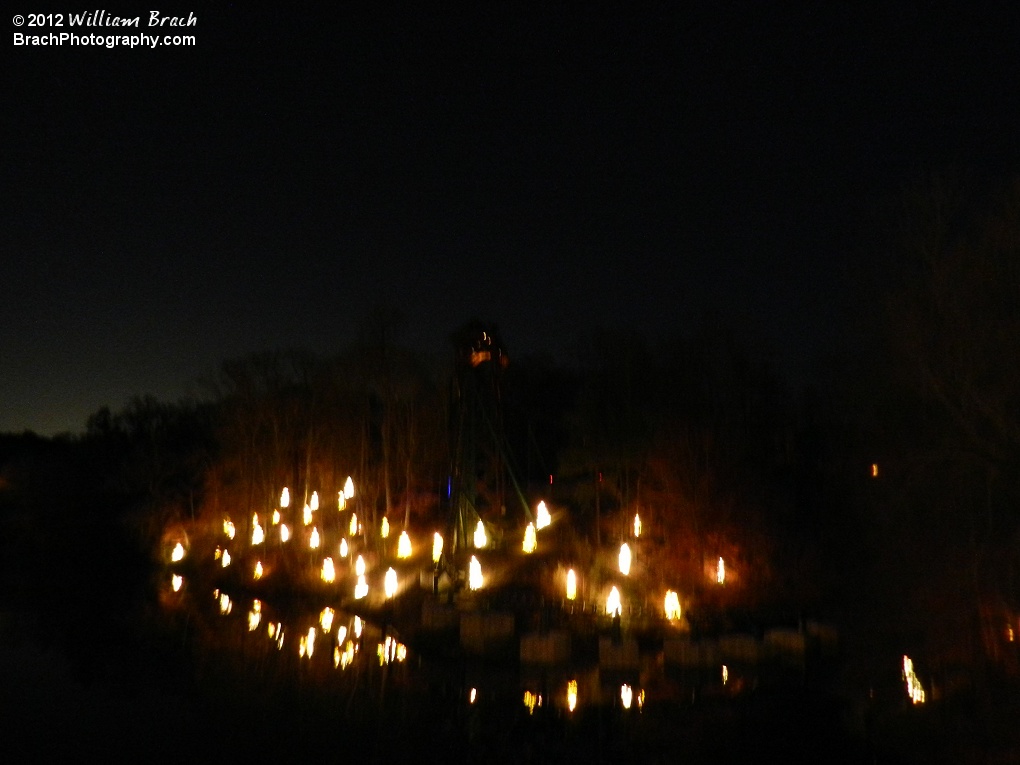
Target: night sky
(551, 170)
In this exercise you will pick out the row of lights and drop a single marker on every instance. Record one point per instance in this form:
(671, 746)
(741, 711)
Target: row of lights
(532, 700)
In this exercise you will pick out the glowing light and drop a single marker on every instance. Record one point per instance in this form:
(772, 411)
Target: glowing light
(361, 588)
(472, 696)
(625, 559)
(177, 581)
(284, 532)
(359, 566)
(306, 515)
(347, 656)
(341, 503)
(725, 674)
(637, 525)
(178, 553)
(225, 604)
(641, 699)
(344, 548)
(328, 572)
(530, 539)
(285, 497)
(313, 540)
(571, 585)
(626, 695)
(255, 616)
(258, 569)
(915, 691)
(874, 470)
(572, 695)
(1010, 635)
(218, 554)
(530, 700)
(475, 574)
(276, 517)
(307, 646)
(228, 528)
(672, 605)
(358, 624)
(404, 545)
(354, 524)
(613, 605)
(315, 501)
(542, 517)
(390, 583)
(437, 547)
(257, 534)
(391, 651)
(226, 558)
(326, 618)
(276, 632)
(349, 488)
(720, 572)
(480, 539)
(384, 528)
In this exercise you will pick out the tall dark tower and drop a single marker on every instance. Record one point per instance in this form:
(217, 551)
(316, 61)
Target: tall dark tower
(481, 479)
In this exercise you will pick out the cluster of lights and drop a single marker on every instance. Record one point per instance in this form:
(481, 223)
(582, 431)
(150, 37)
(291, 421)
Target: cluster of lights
(307, 646)
(531, 700)
(915, 691)
(343, 659)
(391, 651)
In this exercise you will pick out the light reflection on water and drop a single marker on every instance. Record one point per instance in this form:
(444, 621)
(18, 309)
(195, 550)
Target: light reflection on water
(331, 641)
(352, 666)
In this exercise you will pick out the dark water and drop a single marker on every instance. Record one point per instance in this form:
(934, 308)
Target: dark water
(149, 673)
